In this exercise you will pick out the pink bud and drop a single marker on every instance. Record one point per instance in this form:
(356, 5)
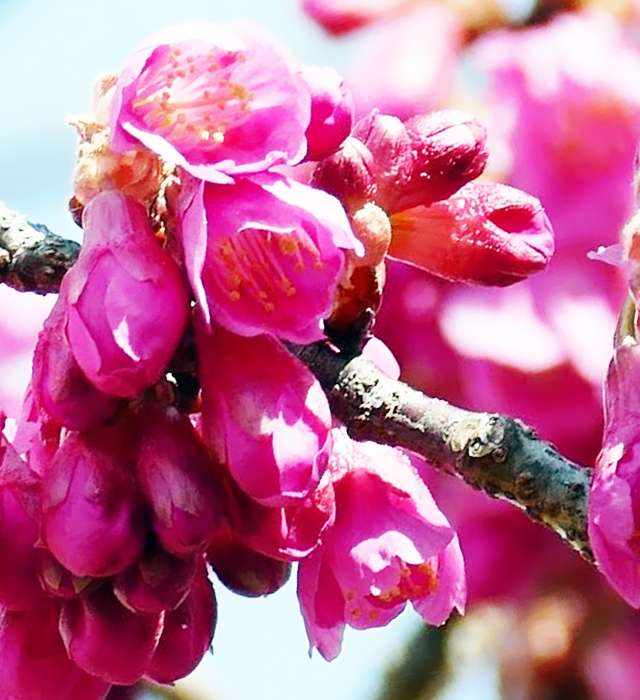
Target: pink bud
(35, 664)
(349, 175)
(128, 304)
(187, 634)
(19, 530)
(245, 571)
(107, 640)
(265, 414)
(60, 386)
(486, 234)
(93, 514)
(177, 475)
(157, 581)
(331, 111)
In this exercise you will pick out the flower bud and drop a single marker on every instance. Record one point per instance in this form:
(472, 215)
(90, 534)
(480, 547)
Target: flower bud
(93, 518)
(390, 146)
(157, 581)
(58, 581)
(244, 571)
(449, 150)
(187, 634)
(331, 111)
(485, 234)
(107, 640)
(348, 175)
(176, 473)
(128, 304)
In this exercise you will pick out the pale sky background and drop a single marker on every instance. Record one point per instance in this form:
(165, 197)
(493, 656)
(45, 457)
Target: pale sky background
(50, 53)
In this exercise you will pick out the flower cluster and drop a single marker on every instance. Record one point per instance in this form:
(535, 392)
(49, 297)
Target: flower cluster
(167, 428)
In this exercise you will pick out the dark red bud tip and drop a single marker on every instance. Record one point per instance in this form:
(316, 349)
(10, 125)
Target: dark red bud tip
(486, 234)
(348, 175)
(245, 571)
(449, 150)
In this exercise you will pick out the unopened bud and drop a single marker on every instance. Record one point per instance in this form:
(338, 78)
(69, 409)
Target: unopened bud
(331, 111)
(348, 175)
(449, 150)
(245, 571)
(485, 234)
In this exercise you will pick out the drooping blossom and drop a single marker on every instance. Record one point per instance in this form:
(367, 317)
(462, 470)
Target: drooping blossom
(485, 233)
(127, 303)
(389, 545)
(217, 100)
(268, 421)
(93, 516)
(35, 663)
(332, 111)
(264, 256)
(176, 474)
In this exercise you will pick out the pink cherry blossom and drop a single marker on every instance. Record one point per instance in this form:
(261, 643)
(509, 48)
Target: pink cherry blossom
(127, 303)
(390, 544)
(265, 415)
(177, 476)
(485, 233)
(35, 664)
(215, 99)
(106, 640)
(265, 256)
(342, 16)
(331, 111)
(93, 516)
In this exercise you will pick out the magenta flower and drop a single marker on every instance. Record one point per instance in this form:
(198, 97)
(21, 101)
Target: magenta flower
(265, 415)
(187, 633)
(614, 505)
(342, 16)
(217, 100)
(128, 304)
(390, 544)
(265, 256)
(176, 473)
(107, 640)
(331, 111)
(35, 664)
(93, 518)
(485, 234)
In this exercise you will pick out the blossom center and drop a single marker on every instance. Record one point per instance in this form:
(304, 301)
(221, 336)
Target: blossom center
(415, 581)
(192, 98)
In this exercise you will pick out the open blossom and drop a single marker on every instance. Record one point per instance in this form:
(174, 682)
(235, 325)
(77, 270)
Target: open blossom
(265, 255)
(389, 545)
(485, 234)
(127, 303)
(217, 100)
(265, 415)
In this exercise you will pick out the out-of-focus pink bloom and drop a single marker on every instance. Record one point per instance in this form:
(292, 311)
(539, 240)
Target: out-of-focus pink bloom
(268, 421)
(157, 581)
(486, 234)
(107, 640)
(264, 256)
(127, 303)
(93, 518)
(408, 66)
(426, 159)
(243, 570)
(342, 16)
(187, 633)
(332, 111)
(614, 506)
(611, 663)
(19, 530)
(389, 544)
(176, 473)
(35, 664)
(198, 95)
(58, 384)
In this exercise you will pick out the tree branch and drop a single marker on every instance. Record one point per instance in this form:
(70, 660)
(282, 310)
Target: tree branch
(497, 454)
(32, 258)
